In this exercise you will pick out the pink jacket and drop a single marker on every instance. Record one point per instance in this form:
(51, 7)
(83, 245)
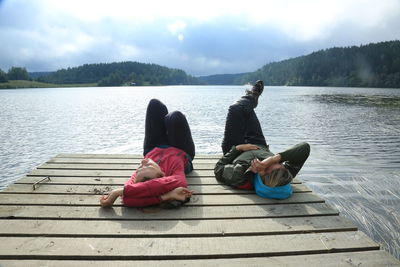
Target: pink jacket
(172, 162)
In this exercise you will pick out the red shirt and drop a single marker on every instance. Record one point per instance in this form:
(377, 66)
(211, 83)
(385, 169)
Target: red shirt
(246, 186)
(172, 162)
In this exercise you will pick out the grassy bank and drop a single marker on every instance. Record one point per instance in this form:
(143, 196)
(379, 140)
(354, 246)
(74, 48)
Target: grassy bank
(17, 84)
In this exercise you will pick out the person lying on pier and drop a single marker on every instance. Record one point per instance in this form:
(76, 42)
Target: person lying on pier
(247, 162)
(168, 151)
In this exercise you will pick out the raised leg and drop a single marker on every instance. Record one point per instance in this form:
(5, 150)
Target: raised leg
(254, 133)
(179, 134)
(242, 125)
(155, 131)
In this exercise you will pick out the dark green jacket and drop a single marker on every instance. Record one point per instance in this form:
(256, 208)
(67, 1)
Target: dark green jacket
(231, 169)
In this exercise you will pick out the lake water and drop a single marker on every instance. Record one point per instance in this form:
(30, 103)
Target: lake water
(354, 135)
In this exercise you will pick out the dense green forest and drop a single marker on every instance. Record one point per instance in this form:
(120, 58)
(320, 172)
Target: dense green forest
(3, 77)
(123, 73)
(221, 79)
(14, 73)
(372, 65)
(36, 75)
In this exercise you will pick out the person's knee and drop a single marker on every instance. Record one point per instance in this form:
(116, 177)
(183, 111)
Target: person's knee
(247, 102)
(155, 106)
(306, 148)
(235, 109)
(243, 106)
(175, 116)
(155, 101)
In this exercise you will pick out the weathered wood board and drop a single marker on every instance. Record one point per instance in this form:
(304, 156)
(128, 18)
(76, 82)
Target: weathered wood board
(60, 223)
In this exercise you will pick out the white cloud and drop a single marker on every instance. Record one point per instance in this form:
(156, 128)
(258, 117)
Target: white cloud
(76, 43)
(303, 20)
(94, 10)
(128, 51)
(176, 27)
(213, 36)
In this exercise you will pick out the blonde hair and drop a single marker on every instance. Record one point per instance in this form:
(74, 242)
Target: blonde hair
(277, 177)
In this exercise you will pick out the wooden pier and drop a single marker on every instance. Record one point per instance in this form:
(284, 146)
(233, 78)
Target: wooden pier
(60, 223)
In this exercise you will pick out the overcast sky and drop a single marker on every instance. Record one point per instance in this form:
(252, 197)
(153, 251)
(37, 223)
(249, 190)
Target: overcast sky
(200, 37)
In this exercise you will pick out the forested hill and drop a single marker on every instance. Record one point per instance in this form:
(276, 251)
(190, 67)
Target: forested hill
(372, 65)
(123, 73)
(221, 79)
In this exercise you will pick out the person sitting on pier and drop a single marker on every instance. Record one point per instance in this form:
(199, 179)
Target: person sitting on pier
(247, 162)
(168, 152)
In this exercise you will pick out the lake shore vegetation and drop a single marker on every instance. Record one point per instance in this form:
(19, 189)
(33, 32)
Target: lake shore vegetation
(373, 65)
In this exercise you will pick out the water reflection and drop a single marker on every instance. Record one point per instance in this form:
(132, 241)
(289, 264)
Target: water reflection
(361, 161)
(364, 100)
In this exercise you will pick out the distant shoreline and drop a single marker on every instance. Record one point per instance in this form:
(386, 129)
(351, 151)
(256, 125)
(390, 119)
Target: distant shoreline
(22, 84)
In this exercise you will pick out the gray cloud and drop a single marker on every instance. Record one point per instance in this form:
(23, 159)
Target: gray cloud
(44, 39)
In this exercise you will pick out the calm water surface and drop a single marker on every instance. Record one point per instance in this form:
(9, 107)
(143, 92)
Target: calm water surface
(354, 135)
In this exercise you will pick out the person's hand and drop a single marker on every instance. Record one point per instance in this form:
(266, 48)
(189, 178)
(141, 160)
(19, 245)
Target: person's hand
(108, 200)
(105, 201)
(179, 193)
(258, 166)
(246, 147)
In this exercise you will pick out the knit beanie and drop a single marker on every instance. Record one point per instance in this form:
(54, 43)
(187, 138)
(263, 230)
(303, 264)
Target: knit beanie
(277, 192)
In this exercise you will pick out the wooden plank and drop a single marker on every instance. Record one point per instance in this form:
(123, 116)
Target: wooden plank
(371, 258)
(196, 200)
(189, 228)
(118, 161)
(62, 222)
(116, 167)
(182, 248)
(103, 173)
(100, 189)
(129, 156)
(183, 213)
(116, 181)
(113, 181)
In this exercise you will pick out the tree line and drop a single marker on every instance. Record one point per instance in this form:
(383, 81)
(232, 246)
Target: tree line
(107, 74)
(122, 73)
(372, 65)
(14, 73)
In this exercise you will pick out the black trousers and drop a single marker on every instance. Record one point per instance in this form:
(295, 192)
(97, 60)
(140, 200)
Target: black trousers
(163, 128)
(242, 125)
